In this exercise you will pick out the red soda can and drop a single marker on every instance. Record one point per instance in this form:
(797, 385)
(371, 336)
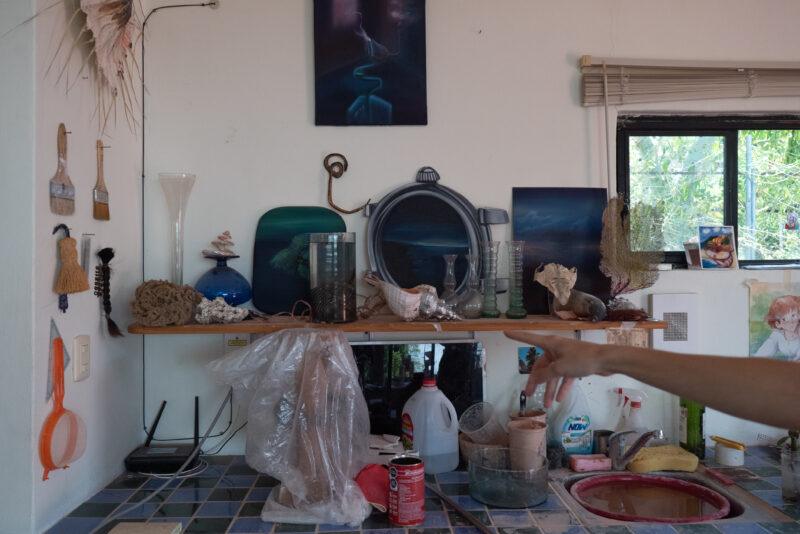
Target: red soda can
(406, 491)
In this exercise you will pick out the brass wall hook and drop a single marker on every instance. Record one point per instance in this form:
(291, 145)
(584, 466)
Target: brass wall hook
(336, 165)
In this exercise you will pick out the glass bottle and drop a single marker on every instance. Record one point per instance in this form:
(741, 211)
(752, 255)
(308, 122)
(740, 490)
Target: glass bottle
(449, 282)
(490, 250)
(516, 308)
(690, 427)
(226, 282)
(177, 187)
(471, 303)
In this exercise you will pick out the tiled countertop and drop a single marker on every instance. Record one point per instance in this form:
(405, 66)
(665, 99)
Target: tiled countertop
(228, 497)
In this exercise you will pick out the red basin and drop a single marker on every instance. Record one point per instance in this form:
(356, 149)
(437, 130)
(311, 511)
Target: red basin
(649, 498)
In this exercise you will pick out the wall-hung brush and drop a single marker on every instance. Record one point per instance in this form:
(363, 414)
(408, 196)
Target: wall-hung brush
(100, 192)
(102, 288)
(70, 278)
(62, 192)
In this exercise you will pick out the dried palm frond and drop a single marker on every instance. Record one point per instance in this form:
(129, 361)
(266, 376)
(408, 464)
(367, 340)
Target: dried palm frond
(622, 261)
(109, 29)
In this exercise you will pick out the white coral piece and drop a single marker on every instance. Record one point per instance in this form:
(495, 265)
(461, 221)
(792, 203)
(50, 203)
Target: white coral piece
(219, 311)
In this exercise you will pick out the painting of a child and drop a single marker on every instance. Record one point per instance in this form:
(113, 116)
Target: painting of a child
(774, 332)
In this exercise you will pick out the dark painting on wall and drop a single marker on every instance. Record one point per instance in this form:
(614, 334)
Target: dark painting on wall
(369, 59)
(560, 225)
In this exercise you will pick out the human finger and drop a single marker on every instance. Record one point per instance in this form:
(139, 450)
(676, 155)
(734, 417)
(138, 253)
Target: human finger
(566, 385)
(550, 391)
(530, 338)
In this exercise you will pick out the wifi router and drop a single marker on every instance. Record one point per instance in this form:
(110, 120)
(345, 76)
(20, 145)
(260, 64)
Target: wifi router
(165, 458)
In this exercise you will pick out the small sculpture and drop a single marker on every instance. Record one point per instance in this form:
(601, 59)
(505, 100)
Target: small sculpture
(420, 302)
(568, 303)
(219, 311)
(222, 247)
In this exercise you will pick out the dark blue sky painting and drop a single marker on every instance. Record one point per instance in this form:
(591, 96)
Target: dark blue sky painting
(560, 225)
(369, 62)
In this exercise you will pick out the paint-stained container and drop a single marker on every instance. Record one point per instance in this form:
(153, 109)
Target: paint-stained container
(406, 491)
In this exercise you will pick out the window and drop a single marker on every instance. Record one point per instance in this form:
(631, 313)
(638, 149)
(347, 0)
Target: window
(680, 172)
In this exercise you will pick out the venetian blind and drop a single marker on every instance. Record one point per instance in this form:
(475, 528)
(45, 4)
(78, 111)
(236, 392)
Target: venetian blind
(637, 81)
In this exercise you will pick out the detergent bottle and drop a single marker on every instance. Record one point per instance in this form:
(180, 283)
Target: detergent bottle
(570, 425)
(430, 426)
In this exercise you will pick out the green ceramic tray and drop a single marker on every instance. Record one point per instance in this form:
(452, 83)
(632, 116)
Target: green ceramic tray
(280, 255)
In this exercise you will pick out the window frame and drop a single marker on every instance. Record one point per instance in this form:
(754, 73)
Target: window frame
(726, 126)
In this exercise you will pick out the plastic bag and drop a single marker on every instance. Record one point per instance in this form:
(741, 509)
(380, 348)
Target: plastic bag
(308, 424)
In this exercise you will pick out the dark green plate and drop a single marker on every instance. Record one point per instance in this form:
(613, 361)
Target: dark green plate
(280, 256)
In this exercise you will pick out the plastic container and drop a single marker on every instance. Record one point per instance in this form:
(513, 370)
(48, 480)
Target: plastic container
(571, 424)
(332, 277)
(430, 426)
(493, 482)
(480, 423)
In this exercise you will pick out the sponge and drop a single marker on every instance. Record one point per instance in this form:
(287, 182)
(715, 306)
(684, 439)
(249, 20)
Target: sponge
(663, 458)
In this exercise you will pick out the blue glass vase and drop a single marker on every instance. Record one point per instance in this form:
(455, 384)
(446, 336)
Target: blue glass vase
(226, 282)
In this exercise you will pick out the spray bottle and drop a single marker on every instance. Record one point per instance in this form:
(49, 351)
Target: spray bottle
(634, 421)
(618, 415)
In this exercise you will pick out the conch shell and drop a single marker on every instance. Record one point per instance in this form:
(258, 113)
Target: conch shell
(420, 302)
(559, 280)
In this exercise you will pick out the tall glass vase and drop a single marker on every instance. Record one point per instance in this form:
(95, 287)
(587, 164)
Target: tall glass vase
(470, 304)
(516, 308)
(177, 187)
(490, 251)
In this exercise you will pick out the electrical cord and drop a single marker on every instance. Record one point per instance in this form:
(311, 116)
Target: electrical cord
(202, 465)
(175, 475)
(209, 3)
(227, 440)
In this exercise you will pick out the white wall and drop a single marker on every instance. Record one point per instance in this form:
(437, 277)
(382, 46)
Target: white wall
(108, 400)
(16, 218)
(231, 98)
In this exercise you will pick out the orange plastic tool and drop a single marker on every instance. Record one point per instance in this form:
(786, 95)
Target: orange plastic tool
(63, 436)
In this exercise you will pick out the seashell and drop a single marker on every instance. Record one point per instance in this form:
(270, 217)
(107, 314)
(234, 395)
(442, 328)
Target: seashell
(420, 302)
(404, 303)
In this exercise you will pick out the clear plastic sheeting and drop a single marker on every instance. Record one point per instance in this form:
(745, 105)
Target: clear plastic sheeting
(308, 424)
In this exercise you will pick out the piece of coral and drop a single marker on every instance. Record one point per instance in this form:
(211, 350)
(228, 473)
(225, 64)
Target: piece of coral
(219, 311)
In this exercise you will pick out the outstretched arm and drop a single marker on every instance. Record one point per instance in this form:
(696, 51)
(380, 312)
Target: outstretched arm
(758, 389)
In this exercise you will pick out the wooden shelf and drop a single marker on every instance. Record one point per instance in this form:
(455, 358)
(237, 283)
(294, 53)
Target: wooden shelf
(393, 324)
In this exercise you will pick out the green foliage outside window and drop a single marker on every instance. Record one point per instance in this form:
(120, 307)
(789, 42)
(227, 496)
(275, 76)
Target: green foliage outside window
(682, 177)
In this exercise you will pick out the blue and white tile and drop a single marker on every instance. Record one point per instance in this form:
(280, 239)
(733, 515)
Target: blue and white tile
(740, 528)
(656, 528)
(75, 525)
(515, 519)
(250, 525)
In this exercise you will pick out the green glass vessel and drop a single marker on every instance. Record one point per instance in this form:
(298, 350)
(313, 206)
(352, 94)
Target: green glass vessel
(690, 427)
(516, 308)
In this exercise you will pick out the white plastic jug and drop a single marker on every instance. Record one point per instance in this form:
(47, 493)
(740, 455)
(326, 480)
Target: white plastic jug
(430, 426)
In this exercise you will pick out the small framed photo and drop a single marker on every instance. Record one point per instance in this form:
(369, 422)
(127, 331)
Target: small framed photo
(717, 247)
(692, 249)
(527, 356)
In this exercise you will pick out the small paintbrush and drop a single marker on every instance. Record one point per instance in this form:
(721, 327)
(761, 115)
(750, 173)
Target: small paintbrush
(100, 193)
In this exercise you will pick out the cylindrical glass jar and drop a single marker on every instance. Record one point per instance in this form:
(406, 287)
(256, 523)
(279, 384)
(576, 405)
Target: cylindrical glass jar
(332, 277)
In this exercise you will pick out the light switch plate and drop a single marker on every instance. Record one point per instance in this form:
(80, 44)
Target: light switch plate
(80, 361)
